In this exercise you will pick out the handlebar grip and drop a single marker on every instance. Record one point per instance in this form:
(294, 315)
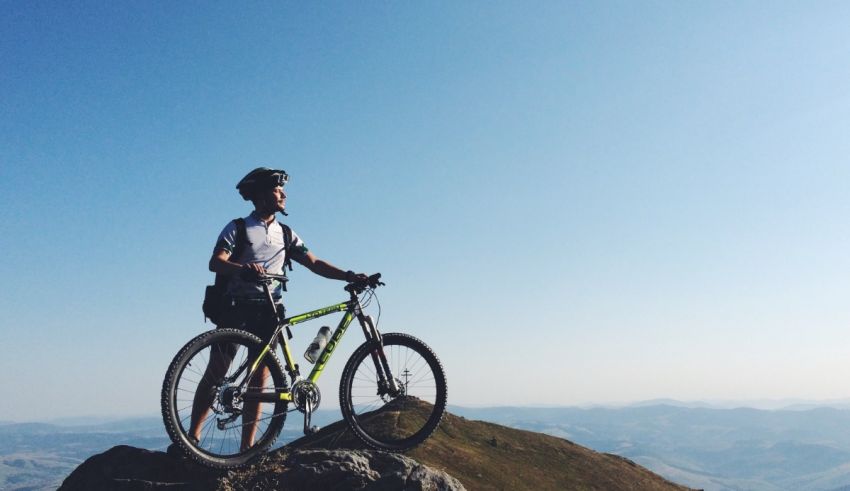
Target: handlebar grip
(359, 286)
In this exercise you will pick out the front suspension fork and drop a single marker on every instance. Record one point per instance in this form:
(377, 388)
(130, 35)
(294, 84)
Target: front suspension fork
(386, 382)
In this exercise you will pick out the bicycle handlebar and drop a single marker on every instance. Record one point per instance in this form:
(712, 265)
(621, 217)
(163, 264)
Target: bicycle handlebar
(370, 282)
(355, 286)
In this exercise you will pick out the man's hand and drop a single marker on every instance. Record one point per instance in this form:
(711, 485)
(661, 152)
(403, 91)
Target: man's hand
(352, 277)
(252, 271)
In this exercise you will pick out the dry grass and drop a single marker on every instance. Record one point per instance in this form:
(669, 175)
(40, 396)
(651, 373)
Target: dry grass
(486, 456)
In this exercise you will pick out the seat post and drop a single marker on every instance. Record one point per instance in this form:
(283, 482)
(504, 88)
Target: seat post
(270, 297)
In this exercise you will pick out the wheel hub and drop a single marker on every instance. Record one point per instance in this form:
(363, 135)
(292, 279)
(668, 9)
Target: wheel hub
(386, 392)
(228, 400)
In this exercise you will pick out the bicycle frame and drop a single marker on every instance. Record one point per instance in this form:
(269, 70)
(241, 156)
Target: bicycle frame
(352, 309)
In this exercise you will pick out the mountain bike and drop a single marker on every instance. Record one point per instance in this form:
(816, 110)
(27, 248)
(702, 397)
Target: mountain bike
(229, 388)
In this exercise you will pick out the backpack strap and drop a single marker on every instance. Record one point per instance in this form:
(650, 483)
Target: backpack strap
(241, 238)
(287, 242)
(240, 245)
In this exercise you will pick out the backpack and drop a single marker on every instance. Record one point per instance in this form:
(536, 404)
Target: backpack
(216, 301)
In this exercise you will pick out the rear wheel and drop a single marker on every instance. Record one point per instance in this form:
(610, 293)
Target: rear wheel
(391, 419)
(205, 412)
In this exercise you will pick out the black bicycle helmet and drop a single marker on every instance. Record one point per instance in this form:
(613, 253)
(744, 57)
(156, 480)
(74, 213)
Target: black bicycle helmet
(261, 179)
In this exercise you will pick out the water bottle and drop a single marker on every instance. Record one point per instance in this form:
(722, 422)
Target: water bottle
(318, 344)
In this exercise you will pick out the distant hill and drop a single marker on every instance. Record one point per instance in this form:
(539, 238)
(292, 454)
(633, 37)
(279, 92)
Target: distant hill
(482, 456)
(37, 456)
(713, 449)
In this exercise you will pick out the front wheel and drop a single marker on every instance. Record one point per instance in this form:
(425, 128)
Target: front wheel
(398, 415)
(208, 412)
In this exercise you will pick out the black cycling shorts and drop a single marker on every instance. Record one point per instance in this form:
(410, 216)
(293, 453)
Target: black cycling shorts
(254, 317)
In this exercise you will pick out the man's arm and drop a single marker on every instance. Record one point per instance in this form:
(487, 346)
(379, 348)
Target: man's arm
(220, 263)
(326, 269)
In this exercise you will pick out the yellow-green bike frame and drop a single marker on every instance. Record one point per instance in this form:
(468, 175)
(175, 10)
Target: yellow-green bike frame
(352, 309)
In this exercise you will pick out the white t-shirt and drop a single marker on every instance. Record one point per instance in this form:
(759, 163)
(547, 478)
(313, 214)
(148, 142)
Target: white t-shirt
(266, 248)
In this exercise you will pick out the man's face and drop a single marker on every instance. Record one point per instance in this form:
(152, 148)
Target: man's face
(273, 200)
(279, 198)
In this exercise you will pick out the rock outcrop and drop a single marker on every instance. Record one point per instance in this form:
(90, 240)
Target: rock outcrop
(343, 470)
(127, 468)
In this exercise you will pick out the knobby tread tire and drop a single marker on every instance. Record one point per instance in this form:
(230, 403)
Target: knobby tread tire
(346, 403)
(171, 418)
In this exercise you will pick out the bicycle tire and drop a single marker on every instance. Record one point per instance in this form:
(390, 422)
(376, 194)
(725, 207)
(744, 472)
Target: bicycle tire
(178, 397)
(401, 423)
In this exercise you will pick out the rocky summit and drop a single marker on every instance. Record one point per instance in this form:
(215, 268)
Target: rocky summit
(129, 468)
(461, 454)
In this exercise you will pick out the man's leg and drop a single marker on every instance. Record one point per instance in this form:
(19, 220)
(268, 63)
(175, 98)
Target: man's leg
(263, 326)
(251, 409)
(220, 358)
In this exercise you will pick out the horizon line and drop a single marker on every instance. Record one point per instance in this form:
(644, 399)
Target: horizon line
(763, 404)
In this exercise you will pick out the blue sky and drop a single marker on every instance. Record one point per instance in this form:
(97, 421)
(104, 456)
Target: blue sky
(570, 202)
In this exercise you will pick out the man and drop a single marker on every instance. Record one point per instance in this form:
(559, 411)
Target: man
(263, 251)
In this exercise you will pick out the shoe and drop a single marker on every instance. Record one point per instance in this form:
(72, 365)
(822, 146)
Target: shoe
(174, 450)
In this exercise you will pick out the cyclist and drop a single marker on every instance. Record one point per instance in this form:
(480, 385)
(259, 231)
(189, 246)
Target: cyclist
(263, 251)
